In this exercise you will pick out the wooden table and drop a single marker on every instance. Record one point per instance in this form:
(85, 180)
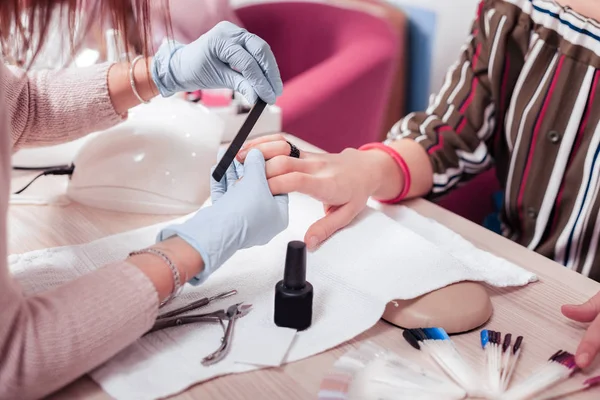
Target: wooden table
(532, 311)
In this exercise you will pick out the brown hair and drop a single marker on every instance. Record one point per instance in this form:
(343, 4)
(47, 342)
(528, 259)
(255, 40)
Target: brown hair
(25, 39)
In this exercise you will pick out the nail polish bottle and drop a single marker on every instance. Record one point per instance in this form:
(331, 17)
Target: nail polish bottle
(293, 294)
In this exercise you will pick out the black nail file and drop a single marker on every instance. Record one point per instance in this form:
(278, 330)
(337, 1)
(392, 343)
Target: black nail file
(239, 140)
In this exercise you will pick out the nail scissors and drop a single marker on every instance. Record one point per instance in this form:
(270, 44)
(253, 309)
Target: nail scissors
(232, 314)
(174, 318)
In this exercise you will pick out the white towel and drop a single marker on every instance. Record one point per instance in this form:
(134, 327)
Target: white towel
(354, 274)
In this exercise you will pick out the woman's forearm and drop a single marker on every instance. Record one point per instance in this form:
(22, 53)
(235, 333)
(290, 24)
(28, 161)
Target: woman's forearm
(77, 326)
(120, 89)
(52, 107)
(71, 329)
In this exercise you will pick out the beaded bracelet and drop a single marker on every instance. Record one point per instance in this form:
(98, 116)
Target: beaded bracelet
(177, 287)
(132, 80)
(401, 164)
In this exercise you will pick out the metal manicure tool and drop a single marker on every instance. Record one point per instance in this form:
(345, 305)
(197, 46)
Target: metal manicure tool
(197, 304)
(230, 315)
(163, 323)
(173, 318)
(233, 312)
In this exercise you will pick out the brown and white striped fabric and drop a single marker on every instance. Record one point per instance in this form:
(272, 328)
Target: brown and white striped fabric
(524, 97)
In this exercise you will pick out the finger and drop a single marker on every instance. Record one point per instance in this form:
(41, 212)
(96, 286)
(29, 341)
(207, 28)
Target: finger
(261, 51)
(329, 224)
(585, 312)
(282, 165)
(239, 168)
(217, 189)
(283, 200)
(590, 345)
(302, 183)
(244, 63)
(269, 150)
(260, 141)
(329, 208)
(275, 137)
(231, 176)
(240, 85)
(254, 165)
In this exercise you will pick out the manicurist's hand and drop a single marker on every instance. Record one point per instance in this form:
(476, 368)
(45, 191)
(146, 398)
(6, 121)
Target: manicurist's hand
(343, 182)
(225, 57)
(244, 214)
(589, 347)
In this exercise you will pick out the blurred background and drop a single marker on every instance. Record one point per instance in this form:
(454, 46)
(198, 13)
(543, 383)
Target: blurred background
(351, 68)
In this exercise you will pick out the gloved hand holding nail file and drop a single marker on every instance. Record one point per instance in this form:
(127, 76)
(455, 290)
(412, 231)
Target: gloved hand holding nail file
(244, 214)
(226, 57)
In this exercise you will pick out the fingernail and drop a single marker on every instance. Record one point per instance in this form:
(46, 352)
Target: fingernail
(583, 359)
(313, 242)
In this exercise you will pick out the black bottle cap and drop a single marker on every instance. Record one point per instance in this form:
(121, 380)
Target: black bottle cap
(294, 275)
(293, 294)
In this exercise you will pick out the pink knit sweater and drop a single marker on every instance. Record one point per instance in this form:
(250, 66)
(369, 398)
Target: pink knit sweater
(48, 340)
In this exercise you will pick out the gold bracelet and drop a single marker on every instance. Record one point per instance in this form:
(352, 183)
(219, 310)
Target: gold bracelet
(132, 80)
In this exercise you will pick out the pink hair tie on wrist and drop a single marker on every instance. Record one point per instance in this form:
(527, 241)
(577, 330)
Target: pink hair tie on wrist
(399, 162)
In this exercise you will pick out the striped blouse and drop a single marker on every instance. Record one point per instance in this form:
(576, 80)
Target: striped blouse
(524, 98)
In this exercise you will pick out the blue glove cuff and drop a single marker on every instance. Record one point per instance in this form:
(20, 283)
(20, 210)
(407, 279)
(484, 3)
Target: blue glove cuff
(176, 230)
(161, 69)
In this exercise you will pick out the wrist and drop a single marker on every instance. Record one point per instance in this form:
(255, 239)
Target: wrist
(173, 257)
(160, 69)
(121, 90)
(188, 261)
(144, 83)
(387, 178)
(203, 234)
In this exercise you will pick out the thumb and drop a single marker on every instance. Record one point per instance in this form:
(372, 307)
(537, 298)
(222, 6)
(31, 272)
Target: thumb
(254, 165)
(217, 189)
(589, 346)
(329, 224)
(585, 312)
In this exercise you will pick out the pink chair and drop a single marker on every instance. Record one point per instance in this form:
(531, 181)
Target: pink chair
(337, 65)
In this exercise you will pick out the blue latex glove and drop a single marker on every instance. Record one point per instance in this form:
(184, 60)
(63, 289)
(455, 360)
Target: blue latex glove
(225, 57)
(244, 214)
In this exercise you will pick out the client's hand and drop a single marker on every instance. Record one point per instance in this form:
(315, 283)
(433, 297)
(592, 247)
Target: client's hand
(590, 344)
(343, 182)
(244, 214)
(225, 57)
